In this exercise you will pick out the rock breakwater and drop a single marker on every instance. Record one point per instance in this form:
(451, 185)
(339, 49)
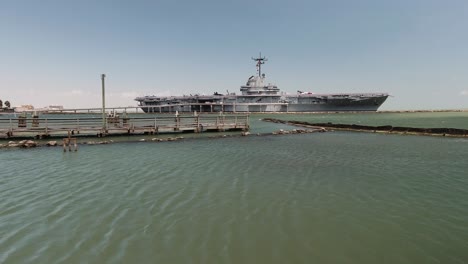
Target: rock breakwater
(454, 132)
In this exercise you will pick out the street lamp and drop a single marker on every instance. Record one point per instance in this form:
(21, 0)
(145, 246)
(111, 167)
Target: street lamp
(103, 76)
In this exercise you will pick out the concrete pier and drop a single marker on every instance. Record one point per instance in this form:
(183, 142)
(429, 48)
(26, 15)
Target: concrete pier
(116, 125)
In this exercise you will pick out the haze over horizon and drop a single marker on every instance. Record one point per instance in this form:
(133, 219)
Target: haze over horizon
(53, 52)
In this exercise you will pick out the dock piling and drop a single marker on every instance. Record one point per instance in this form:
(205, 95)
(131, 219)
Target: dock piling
(67, 142)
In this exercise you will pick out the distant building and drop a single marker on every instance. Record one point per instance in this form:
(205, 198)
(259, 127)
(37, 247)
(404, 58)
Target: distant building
(24, 108)
(55, 107)
(50, 108)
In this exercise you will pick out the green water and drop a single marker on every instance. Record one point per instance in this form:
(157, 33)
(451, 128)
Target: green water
(308, 198)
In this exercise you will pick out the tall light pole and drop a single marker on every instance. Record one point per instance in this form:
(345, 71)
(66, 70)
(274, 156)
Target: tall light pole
(103, 76)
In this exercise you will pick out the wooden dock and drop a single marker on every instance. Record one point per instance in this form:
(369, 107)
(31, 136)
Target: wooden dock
(22, 127)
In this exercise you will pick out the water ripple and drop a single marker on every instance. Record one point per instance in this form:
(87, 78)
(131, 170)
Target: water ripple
(289, 199)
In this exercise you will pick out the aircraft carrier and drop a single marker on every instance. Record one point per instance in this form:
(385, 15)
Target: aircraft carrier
(259, 96)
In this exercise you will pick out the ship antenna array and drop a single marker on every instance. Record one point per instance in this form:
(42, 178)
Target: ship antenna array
(260, 60)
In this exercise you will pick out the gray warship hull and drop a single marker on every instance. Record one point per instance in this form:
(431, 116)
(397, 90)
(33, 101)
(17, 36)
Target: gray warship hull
(292, 103)
(259, 96)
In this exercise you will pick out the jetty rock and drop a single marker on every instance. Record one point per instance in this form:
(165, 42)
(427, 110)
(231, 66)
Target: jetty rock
(27, 144)
(299, 131)
(246, 133)
(282, 132)
(30, 144)
(13, 144)
(51, 143)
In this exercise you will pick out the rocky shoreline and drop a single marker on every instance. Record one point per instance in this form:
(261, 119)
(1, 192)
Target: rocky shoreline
(451, 132)
(28, 144)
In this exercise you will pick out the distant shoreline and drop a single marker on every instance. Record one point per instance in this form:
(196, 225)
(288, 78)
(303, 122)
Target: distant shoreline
(84, 111)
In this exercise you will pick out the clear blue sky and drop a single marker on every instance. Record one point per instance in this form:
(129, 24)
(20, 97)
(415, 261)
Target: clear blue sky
(53, 52)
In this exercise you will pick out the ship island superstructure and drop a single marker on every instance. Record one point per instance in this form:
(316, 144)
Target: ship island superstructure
(259, 96)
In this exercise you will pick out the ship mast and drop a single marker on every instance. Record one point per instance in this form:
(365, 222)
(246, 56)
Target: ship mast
(260, 60)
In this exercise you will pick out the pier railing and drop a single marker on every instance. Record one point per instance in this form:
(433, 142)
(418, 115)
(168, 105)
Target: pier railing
(45, 127)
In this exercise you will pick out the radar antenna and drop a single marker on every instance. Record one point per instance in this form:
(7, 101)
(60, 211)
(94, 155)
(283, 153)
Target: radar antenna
(260, 60)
